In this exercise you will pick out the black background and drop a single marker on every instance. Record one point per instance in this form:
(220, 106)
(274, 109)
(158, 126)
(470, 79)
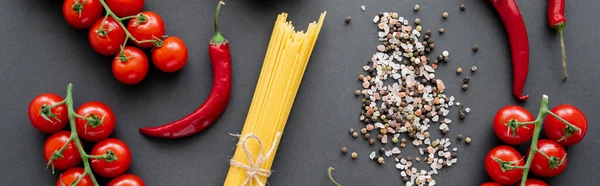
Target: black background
(40, 53)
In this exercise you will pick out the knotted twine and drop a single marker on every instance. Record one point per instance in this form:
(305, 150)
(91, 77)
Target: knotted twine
(253, 170)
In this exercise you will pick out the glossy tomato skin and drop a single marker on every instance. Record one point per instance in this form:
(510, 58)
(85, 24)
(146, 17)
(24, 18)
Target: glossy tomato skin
(113, 168)
(43, 125)
(91, 11)
(101, 111)
(504, 115)
(108, 43)
(535, 182)
(540, 165)
(554, 129)
(147, 30)
(123, 8)
(134, 69)
(69, 176)
(171, 56)
(71, 157)
(127, 180)
(490, 184)
(508, 154)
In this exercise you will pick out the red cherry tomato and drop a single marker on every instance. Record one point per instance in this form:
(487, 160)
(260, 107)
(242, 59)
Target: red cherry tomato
(541, 166)
(171, 56)
(127, 180)
(123, 8)
(534, 182)
(69, 176)
(507, 154)
(504, 116)
(153, 26)
(95, 131)
(490, 184)
(555, 129)
(115, 167)
(56, 123)
(134, 69)
(71, 157)
(82, 13)
(107, 38)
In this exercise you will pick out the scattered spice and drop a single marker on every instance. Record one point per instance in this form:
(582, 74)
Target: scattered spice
(380, 160)
(394, 140)
(462, 7)
(465, 86)
(347, 20)
(445, 15)
(474, 68)
(417, 21)
(467, 79)
(363, 7)
(459, 70)
(416, 8)
(363, 131)
(468, 140)
(355, 134)
(371, 141)
(351, 130)
(475, 48)
(354, 155)
(344, 150)
(459, 137)
(441, 30)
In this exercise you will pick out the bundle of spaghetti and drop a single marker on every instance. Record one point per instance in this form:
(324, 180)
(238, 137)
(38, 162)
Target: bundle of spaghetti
(282, 71)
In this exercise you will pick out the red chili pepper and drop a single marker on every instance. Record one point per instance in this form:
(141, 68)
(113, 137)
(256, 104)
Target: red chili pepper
(519, 43)
(217, 101)
(557, 21)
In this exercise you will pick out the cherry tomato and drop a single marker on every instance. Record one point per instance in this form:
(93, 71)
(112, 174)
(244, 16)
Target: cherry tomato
(107, 38)
(490, 184)
(82, 13)
(534, 182)
(69, 176)
(123, 8)
(115, 167)
(127, 180)
(171, 56)
(504, 116)
(153, 26)
(541, 166)
(555, 129)
(133, 69)
(506, 154)
(58, 115)
(95, 131)
(71, 157)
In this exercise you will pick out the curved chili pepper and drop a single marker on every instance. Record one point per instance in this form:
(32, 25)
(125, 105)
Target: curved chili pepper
(217, 101)
(557, 21)
(519, 43)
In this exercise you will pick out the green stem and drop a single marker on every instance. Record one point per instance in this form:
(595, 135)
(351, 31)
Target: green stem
(544, 154)
(75, 137)
(111, 14)
(563, 120)
(128, 17)
(218, 38)
(564, 55)
(331, 169)
(536, 134)
(59, 103)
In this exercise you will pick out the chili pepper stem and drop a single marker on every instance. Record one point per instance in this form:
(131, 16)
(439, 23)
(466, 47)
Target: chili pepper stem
(218, 37)
(329, 170)
(559, 28)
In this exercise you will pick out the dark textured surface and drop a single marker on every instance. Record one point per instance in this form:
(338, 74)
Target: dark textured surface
(41, 53)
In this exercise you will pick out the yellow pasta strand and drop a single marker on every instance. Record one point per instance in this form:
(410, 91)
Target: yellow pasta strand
(283, 67)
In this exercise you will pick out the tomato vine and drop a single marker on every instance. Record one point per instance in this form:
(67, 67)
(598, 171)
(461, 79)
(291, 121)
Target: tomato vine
(533, 149)
(74, 137)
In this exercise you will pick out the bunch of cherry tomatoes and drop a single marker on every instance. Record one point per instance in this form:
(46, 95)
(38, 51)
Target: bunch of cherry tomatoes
(505, 165)
(94, 122)
(109, 36)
